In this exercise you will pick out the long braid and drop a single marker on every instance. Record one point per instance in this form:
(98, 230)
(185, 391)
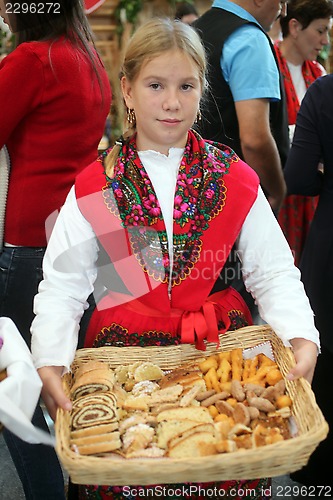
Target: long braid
(110, 160)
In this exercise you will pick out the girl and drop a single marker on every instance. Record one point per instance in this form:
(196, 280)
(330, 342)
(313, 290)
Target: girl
(54, 100)
(148, 228)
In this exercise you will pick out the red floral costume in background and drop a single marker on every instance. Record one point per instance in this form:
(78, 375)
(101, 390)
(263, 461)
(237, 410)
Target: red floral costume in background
(214, 193)
(297, 211)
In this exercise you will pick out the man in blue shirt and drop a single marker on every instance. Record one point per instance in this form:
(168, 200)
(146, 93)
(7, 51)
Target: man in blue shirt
(244, 85)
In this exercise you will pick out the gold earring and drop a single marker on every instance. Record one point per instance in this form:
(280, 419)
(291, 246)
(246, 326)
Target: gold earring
(131, 118)
(199, 116)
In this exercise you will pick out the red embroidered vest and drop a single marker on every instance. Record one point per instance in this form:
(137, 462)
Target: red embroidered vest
(214, 193)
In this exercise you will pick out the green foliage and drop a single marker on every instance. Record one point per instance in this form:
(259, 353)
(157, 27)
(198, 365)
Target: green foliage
(7, 42)
(127, 11)
(174, 2)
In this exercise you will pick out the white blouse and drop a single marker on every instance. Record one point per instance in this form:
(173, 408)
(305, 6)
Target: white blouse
(70, 270)
(297, 78)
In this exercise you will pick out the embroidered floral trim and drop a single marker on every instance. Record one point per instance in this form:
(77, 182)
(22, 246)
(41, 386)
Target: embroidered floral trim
(117, 336)
(200, 196)
(237, 319)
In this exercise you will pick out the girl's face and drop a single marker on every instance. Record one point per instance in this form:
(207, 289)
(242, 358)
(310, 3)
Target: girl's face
(310, 41)
(165, 96)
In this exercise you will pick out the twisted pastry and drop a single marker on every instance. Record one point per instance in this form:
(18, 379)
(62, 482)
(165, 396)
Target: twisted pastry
(95, 414)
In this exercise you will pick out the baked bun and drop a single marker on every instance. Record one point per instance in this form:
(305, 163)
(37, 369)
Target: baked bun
(103, 443)
(139, 371)
(199, 444)
(168, 429)
(188, 377)
(147, 371)
(137, 437)
(150, 452)
(94, 430)
(196, 413)
(90, 366)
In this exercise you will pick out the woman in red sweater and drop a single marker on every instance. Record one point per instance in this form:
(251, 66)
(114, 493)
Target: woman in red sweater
(54, 100)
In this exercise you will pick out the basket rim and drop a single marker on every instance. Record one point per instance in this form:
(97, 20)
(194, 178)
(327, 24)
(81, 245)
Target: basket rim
(293, 452)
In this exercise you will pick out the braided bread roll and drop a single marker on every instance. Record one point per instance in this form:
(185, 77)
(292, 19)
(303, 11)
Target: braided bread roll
(91, 399)
(95, 414)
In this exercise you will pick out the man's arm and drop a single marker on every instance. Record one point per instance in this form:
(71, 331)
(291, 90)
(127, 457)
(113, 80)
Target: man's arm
(259, 147)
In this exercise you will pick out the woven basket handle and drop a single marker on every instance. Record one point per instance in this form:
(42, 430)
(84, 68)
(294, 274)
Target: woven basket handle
(4, 179)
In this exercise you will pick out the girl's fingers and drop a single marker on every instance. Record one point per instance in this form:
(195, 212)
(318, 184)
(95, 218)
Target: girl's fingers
(53, 394)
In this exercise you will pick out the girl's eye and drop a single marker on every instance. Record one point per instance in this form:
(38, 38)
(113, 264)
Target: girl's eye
(186, 86)
(155, 86)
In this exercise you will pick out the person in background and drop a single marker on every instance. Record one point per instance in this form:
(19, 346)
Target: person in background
(164, 207)
(244, 108)
(305, 31)
(313, 144)
(54, 99)
(5, 35)
(186, 12)
(275, 33)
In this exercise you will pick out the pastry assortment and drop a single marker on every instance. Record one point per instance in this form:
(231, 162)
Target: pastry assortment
(219, 404)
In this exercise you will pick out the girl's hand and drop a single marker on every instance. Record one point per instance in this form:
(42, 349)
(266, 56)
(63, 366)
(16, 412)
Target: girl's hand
(305, 353)
(52, 391)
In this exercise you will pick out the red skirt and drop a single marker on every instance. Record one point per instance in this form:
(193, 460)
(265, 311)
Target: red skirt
(256, 489)
(295, 218)
(134, 324)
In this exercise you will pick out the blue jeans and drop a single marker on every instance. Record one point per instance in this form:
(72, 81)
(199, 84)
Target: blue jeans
(37, 465)
(20, 275)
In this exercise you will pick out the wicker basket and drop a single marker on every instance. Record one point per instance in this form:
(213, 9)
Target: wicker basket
(268, 461)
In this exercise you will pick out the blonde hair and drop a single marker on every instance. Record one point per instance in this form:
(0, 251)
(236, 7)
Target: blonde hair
(151, 40)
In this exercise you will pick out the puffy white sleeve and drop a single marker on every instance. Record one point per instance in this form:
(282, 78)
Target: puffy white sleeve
(69, 269)
(271, 277)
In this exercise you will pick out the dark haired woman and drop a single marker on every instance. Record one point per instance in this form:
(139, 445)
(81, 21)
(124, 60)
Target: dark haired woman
(313, 144)
(186, 12)
(54, 100)
(305, 31)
